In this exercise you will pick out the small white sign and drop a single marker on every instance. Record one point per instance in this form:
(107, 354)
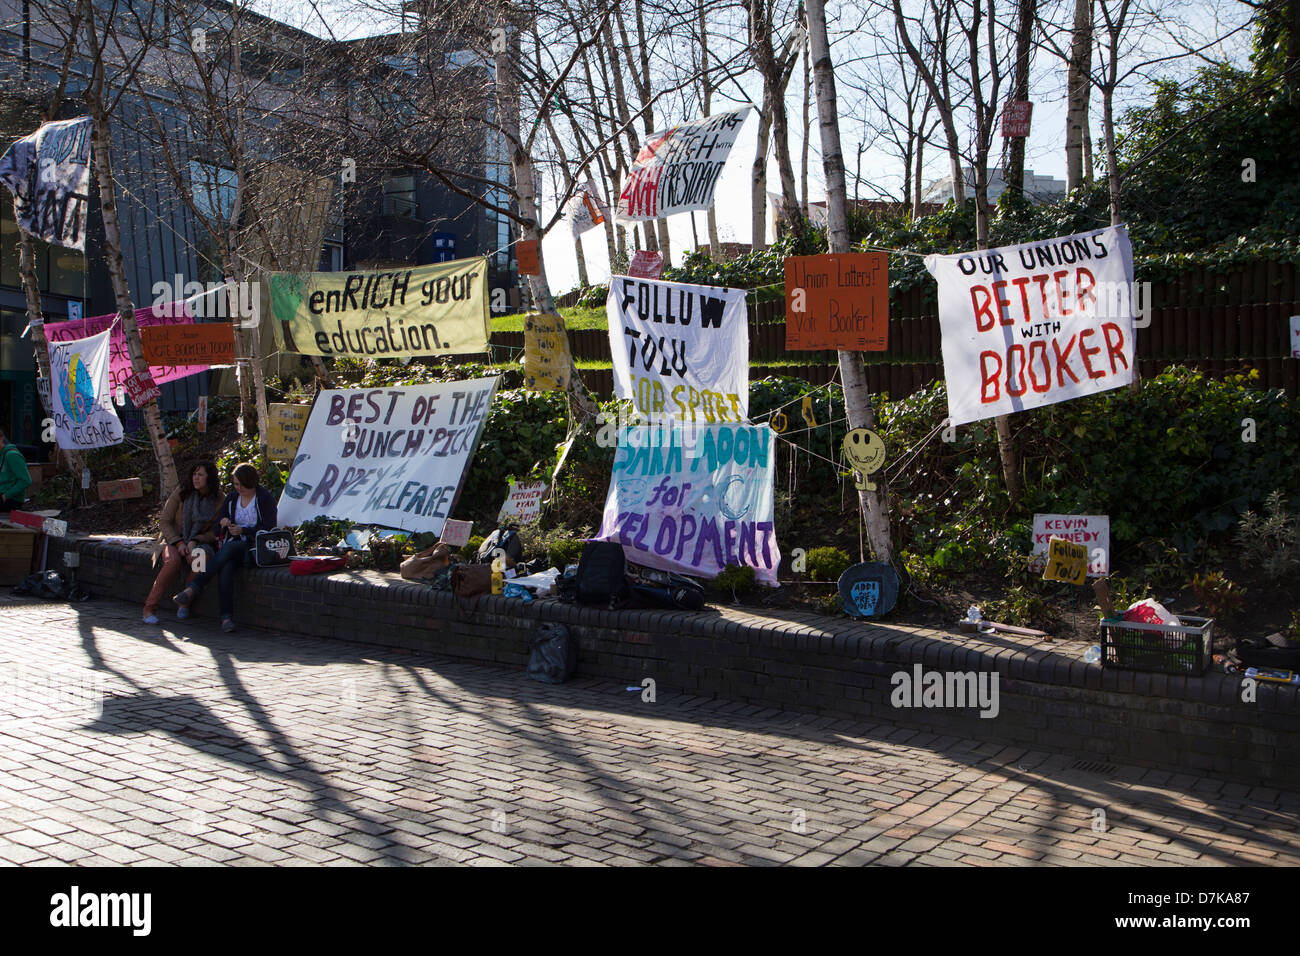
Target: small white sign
(1091, 531)
(74, 311)
(456, 533)
(524, 503)
(1295, 336)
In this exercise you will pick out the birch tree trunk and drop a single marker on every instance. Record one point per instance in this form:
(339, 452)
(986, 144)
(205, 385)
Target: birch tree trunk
(1078, 84)
(758, 183)
(102, 145)
(1020, 91)
(857, 396)
(521, 165)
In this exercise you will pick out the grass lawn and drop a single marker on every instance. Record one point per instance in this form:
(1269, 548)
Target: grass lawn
(573, 319)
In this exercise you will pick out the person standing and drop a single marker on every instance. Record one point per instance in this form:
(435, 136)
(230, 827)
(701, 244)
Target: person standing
(15, 479)
(248, 509)
(187, 529)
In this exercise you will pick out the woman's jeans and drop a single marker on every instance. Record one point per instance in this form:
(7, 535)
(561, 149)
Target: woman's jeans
(232, 556)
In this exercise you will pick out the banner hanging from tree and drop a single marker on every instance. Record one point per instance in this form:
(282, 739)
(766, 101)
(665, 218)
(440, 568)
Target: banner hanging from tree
(585, 210)
(49, 175)
(677, 169)
(440, 309)
(681, 352)
(694, 499)
(119, 369)
(1035, 324)
(394, 457)
(84, 416)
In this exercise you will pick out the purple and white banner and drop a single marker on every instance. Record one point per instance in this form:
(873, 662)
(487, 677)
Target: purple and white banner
(694, 499)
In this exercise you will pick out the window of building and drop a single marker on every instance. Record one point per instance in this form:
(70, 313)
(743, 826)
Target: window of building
(399, 197)
(214, 190)
(58, 270)
(331, 257)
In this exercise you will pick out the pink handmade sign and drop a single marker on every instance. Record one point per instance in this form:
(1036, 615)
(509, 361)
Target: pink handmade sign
(119, 369)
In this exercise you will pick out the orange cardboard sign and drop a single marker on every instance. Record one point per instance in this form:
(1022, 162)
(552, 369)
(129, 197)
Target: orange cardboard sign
(206, 343)
(526, 256)
(125, 488)
(837, 301)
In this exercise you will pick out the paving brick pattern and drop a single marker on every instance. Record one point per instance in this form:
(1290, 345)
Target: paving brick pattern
(264, 749)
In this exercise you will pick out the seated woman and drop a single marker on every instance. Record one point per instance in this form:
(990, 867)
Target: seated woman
(186, 525)
(248, 509)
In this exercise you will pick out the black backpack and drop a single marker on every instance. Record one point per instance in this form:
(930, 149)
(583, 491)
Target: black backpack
(554, 655)
(507, 539)
(602, 574)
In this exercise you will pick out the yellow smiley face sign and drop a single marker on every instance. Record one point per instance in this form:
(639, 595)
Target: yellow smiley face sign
(865, 451)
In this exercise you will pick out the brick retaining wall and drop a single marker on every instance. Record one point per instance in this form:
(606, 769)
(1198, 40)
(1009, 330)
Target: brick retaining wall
(837, 667)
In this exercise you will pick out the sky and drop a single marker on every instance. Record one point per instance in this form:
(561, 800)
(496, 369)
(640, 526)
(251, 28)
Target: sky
(1045, 147)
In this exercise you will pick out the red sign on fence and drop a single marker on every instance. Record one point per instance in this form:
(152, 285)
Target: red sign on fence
(646, 265)
(1015, 118)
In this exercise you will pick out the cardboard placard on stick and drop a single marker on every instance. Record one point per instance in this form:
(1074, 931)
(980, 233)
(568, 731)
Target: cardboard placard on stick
(123, 488)
(456, 533)
(208, 343)
(285, 425)
(1066, 561)
(837, 302)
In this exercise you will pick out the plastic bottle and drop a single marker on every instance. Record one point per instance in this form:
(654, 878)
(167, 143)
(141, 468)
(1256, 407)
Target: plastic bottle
(973, 614)
(1092, 655)
(498, 576)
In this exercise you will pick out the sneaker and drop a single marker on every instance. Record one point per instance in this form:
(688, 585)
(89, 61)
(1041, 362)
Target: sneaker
(182, 613)
(227, 624)
(150, 619)
(184, 598)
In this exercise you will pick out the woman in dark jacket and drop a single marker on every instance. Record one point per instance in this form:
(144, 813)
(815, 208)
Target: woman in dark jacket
(248, 509)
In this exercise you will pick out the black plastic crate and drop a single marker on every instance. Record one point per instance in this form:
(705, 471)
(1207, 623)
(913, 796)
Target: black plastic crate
(1162, 648)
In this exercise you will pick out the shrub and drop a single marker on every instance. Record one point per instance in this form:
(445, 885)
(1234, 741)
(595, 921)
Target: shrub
(1218, 594)
(1021, 608)
(734, 579)
(1271, 543)
(827, 564)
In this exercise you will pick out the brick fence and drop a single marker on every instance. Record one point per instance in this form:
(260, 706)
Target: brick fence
(1048, 700)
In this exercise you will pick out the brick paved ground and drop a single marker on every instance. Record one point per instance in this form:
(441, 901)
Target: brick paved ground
(258, 749)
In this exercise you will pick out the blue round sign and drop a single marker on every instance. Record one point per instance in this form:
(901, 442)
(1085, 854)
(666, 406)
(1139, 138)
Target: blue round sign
(869, 590)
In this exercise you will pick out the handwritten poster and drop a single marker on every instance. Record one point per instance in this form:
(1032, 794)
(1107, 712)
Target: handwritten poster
(1034, 324)
(524, 502)
(84, 416)
(204, 344)
(694, 499)
(119, 369)
(646, 265)
(285, 425)
(838, 301)
(440, 309)
(681, 352)
(394, 457)
(547, 359)
(1091, 531)
(49, 175)
(677, 169)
